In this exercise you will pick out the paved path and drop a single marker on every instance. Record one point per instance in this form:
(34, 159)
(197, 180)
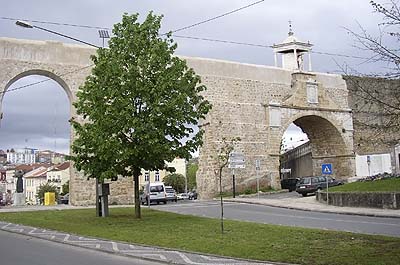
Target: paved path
(17, 249)
(138, 251)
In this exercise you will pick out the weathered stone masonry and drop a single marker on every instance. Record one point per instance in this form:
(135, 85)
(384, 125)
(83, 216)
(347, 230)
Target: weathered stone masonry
(256, 103)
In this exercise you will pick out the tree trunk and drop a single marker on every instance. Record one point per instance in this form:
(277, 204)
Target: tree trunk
(137, 198)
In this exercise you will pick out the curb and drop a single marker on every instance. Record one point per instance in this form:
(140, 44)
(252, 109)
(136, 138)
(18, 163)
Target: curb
(315, 210)
(156, 249)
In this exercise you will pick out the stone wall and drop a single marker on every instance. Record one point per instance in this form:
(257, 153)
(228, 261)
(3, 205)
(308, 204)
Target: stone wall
(375, 124)
(253, 102)
(257, 104)
(68, 65)
(382, 200)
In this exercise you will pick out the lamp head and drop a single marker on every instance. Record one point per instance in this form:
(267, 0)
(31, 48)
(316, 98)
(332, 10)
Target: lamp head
(23, 24)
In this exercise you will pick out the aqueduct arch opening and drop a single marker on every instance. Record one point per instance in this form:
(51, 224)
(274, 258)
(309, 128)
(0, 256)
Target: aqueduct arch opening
(40, 72)
(326, 145)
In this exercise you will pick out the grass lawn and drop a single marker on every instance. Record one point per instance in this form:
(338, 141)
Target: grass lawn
(382, 185)
(242, 239)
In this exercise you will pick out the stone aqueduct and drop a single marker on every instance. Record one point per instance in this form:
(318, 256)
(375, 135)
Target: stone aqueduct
(256, 103)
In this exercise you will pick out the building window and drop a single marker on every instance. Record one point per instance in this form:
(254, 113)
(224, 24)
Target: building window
(146, 176)
(157, 176)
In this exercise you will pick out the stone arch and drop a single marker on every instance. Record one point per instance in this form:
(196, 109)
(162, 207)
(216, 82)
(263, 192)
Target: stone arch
(41, 72)
(328, 143)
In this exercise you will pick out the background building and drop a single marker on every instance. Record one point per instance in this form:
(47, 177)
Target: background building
(178, 163)
(21, 156)
(32, 180)
(59, 175)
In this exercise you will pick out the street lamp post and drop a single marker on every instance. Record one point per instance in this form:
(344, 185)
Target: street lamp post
(101, 207)
(25, 24)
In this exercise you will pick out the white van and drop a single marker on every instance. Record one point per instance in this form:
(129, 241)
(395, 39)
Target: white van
(155, 191)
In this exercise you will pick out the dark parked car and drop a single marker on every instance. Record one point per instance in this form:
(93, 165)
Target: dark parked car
(64, 199)
(312, 184)
(289, 184)
(2, 199)
(192, 195)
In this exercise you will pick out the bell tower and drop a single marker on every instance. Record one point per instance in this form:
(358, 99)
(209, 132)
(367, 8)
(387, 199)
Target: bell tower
(292, 52)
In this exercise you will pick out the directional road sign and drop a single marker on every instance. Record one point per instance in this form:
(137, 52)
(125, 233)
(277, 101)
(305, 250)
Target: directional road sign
(236, 160)
(327, 169)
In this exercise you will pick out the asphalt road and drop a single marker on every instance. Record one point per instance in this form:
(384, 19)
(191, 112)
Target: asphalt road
(288, 217)
(16, 249)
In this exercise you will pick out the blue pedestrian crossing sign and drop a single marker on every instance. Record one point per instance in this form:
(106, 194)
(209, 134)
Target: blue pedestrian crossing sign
(327, 169)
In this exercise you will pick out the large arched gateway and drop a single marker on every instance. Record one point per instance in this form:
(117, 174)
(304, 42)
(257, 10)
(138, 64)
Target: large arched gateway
(256, 103)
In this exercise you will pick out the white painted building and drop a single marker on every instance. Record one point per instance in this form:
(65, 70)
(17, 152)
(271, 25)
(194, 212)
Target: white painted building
(178, 163)
(32, 181)
(370, 165)
(59, 175)
(21, 156)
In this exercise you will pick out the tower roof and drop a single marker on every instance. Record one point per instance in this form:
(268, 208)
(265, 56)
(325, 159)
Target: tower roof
(292, 43)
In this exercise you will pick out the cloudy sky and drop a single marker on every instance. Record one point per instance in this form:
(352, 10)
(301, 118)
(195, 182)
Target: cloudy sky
(37, 116)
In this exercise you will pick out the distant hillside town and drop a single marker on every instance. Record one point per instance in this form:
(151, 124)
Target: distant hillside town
(30, 156)
(38, 168)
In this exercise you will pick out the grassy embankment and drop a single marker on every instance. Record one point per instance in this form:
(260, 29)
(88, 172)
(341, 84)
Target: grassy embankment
(382, 185)
(242, 239)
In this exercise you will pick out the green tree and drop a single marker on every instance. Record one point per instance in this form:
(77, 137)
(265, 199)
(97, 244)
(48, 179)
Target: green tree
(139, 105)
(177, 181)
(65, 188)
(191, 171)
(222, 158)
(46, 187)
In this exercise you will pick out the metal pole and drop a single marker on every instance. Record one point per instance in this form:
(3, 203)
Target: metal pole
(148, 192)
(233, 182)
(258, 185)
(98, 214)
(186, 183)
(258, 180)
(327, 189)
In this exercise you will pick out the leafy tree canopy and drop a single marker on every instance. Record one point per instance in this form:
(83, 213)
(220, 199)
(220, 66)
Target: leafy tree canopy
(191, 170)
(139, 105)
(65, 188)
(177, 181)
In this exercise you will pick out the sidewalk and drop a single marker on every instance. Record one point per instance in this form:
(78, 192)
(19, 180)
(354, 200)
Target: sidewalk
(311, 204)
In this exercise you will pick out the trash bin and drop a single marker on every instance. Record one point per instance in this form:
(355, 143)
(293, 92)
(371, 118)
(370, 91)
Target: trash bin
(49, 198)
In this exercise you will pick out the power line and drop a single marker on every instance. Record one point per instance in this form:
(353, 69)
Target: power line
(221, 41)
(194, 37)
(106, 28)
(55, 23)
(264, 46)
(217, 17)
(45, 80)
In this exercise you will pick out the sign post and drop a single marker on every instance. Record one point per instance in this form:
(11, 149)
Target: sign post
(236, 160)
(369, 165)
(327, 170)
(258, 180)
